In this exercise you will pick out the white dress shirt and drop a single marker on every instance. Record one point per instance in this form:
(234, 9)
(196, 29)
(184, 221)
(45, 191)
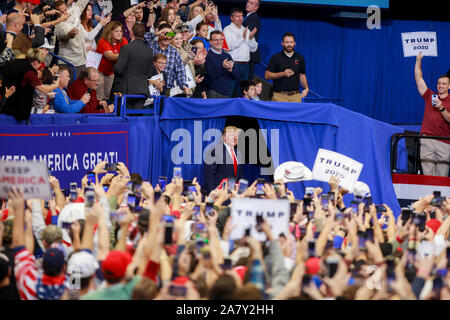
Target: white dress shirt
(239, 48)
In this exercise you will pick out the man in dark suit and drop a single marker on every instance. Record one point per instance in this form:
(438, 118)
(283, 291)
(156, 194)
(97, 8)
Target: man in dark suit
(134, 67)
(226, 162)
(252, 21)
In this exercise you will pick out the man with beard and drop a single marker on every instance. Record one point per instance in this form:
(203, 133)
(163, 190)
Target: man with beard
(287, 69)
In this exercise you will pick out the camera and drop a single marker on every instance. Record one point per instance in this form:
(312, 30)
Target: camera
(168, 224)
(111, 166)
(437, 200)
(243, 184)
(89, 199)
(259, 187)
(91, 178)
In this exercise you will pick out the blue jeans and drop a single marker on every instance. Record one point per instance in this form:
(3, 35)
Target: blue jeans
(243, 73)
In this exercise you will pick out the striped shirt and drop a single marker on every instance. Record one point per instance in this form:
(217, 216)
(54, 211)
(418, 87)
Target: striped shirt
(175, 66)
(26, 273)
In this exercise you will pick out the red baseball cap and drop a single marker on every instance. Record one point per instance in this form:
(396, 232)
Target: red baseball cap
(115, 264)
(312, 266)
(434, 225)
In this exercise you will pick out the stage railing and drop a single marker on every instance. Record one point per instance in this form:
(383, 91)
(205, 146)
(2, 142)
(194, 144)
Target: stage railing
(416, 159)
(152, 109)
(66, 62)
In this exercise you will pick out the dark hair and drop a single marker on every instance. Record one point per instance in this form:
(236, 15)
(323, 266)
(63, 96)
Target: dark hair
(59, 3)
(234, 10)
(194, 42)
(47, 76)
(256, 81)
(22, 42)
(223, 289)
(85, 22)
(245, 85)
(445, 76)
(288, 34)
(164, 26)
(138, 30)
(215, 32)
(201, 24)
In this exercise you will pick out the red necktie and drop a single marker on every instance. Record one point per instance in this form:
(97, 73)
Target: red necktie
(234, 161)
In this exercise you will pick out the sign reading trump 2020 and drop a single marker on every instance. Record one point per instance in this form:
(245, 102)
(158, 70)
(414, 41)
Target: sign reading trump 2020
(30, 177)
(244, 212)
(329, 163)
(416, 42)
(69, 151)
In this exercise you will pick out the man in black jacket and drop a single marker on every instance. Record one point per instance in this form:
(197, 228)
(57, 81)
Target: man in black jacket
(226, 160)
(252, 21)
(134, 67)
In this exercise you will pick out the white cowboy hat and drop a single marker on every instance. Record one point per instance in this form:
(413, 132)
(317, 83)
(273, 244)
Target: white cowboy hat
(292, 171)
(360, 189)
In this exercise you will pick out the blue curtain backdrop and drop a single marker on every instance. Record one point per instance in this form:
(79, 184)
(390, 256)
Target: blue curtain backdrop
(364, 68)
(303, 129)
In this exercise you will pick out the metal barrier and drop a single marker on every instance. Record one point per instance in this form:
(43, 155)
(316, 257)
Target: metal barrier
(154, 109)
(417, 137)
(66, 62)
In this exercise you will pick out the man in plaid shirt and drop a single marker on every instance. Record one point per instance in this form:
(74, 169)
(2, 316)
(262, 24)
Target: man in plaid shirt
(175, 67)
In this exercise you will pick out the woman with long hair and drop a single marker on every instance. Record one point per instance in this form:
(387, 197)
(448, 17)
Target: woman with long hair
(187, 57)
(168, 14)
(88, 29)
(109, 46)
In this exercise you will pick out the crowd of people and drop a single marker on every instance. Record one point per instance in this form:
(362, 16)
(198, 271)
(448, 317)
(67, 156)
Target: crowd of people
(115, 236)
(104, 48)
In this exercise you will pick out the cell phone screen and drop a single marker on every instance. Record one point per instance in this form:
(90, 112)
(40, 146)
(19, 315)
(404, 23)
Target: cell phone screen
(311, 248)
(162, 181)
(91, 178)
(325, 199)
(157, 195)
(177, 172)
(243, 184)
(227, 264)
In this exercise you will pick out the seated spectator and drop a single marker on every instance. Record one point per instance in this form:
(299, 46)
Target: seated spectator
(89, 31)
(63, 104)
(248, 89)
(258, 89)
(202, 34)
(109, 46)
(88, 82)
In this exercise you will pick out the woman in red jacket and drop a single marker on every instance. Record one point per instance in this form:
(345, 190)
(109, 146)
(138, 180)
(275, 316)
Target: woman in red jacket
(109, 46)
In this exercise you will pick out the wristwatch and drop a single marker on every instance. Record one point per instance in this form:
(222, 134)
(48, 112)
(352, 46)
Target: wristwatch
(441, 109)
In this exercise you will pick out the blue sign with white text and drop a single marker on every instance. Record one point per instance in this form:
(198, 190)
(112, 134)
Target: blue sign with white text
(69, 150)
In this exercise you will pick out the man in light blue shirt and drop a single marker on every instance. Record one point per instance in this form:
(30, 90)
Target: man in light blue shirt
(63, 104)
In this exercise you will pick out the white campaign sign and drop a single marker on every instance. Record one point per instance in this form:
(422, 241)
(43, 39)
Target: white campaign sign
(244, 212)
(28, 176)
(93, 59)
(415, 42)
(329, 163)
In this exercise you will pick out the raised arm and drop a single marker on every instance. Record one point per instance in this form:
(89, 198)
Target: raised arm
(421, 85)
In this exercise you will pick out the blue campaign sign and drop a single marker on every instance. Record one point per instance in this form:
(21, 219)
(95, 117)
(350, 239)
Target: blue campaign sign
(69, 150)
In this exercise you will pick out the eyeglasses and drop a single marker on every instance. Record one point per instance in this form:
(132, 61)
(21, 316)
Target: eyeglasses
(96, 80)
(217, 39)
